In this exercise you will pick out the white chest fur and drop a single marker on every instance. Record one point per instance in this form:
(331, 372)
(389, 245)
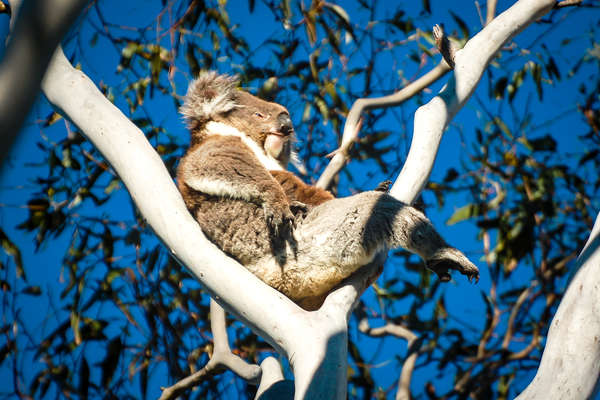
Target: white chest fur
(219, 128)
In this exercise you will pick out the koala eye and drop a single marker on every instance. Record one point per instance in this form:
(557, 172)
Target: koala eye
(259, 115)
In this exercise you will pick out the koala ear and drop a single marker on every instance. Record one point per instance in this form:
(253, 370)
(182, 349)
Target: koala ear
(207, 96)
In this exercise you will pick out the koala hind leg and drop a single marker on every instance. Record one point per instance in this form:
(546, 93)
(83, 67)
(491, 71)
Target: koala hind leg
(341, 235)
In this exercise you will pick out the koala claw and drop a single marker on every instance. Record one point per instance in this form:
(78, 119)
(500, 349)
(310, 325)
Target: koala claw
(450, 258)
(384, 186)
(279, 220)
(298, 208)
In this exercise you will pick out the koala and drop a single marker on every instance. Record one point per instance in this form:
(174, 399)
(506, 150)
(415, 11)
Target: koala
(297, 238)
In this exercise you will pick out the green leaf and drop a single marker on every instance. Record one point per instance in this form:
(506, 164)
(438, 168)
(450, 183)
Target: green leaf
(503, 127)
(12, 250)
(451, 175)
(343, 18)
(311, 28)
(84, 378)
(536, 74)
(93, 329)
(461, 24)
(75, 327)
(111, 361)
(589, 155)
(108, 245)
(464, 213)
(500, 88)
(94, 39)
(545, 143)
(515, 84)
(190, 58)
(52, 118)
(552, 68)
(32, 290)
(426, 6)
(5, 350)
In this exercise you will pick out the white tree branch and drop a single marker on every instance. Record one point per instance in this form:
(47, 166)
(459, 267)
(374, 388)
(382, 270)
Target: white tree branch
(314, 342)
(403, 392)
(353, 124)
(570, 365)
(221, 358)
(491, 11)
(432, 118)
(273, 386)
(37, 27)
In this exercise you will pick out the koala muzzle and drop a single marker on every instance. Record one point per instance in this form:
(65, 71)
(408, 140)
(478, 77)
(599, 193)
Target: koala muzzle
(285, 123)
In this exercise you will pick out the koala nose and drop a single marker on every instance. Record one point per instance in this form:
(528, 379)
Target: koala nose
(285, 123)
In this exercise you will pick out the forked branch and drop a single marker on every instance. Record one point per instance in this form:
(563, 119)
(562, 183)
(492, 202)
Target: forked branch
(221, 358)
(403, 392)
(353, 120)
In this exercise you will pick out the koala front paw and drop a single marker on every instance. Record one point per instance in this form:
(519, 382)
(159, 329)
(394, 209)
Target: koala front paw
(298, 208)
(279, 217)
(384, 186)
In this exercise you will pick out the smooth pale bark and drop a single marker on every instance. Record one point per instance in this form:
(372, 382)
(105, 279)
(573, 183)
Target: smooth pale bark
(353, 120)
(432, 118)
(222, 358)
(570, 365)
(273, 385)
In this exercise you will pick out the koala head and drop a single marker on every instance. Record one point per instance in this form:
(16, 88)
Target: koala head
(214, 97)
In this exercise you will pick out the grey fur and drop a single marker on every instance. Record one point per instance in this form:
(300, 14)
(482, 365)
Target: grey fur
(295, 237)
(209, 95)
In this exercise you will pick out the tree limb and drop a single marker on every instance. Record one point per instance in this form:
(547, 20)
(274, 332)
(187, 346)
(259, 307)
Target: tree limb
(570, 365)
(491, 11)
(273, 386)
(37, 27)
(221, 358)
(567, 3)
(403, 392)
(432, 118)
(353, 124)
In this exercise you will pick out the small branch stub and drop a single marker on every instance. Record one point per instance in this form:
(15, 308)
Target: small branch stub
(444, 46)
(567, 3)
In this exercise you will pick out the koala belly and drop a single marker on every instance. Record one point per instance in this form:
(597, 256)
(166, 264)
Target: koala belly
(239, 229)
(236, 227)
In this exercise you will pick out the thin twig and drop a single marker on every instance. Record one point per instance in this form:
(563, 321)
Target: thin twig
(567, 3)
(491, 11)
(353, 123)
(403, 392)
(478, 7)
(513, 314)
(273, 384)
(535, 339)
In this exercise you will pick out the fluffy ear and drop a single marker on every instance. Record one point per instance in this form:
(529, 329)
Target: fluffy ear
(208, 95)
